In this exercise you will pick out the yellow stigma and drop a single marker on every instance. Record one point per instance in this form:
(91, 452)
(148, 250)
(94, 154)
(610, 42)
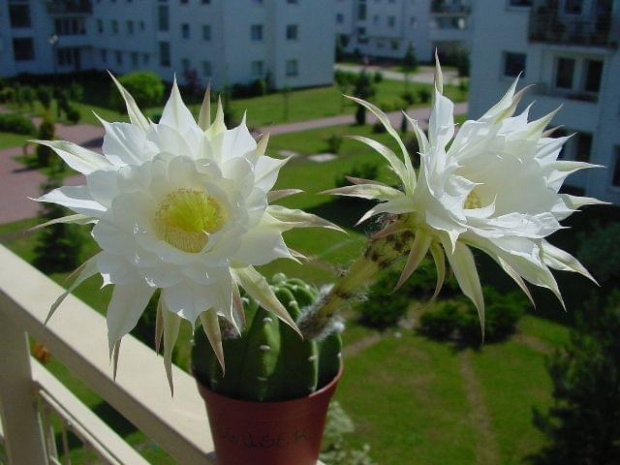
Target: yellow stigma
(473, 200)
(186, 217)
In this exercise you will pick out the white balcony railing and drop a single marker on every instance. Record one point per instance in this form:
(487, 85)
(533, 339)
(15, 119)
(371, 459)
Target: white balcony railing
(76, 336)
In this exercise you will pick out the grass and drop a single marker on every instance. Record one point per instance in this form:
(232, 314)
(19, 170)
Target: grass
(8, 140)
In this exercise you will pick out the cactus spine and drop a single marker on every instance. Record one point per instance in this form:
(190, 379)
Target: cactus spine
(269, 361)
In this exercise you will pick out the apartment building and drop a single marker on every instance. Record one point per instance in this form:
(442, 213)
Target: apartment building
(569, 50)
(222, 41)
(386, 28)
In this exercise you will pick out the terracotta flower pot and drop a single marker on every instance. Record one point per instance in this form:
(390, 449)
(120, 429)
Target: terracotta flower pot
(268, 433)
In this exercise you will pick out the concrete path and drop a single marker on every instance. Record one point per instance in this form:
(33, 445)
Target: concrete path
(18, 183)
(423, 75)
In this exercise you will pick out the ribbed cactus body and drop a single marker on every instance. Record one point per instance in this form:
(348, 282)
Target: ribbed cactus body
(269, 361)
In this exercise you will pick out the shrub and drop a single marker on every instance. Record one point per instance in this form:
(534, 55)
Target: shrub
(58, 247)
(44, 94)
(408, 98)
(441, 323)
(599, 250)
(410, 61)
(424, 95)
(334, 142)
(458, 320)
(378, 128)
(383, 308)
(7, 95)
(16, 123)
(47, 131)
(28, 96)
(146, 87)
(253, 89)
(75, 91)
(73, 114)
(378, 77)
(335, 449)
(364, 171)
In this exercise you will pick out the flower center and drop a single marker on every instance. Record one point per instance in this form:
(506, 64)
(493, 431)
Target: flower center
(186, 217)
(473, 200)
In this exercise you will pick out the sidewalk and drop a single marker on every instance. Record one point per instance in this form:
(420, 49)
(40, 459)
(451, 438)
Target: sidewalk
(424, 74)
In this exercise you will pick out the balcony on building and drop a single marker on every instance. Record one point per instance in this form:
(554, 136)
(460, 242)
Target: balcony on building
(450, 7)
(61, 7)
(572, 24)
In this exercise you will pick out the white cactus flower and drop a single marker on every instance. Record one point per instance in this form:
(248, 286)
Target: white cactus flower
(183, 207)
(493, 186)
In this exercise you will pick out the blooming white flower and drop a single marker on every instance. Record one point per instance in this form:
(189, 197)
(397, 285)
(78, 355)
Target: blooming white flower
(493, 186)
(183, 207)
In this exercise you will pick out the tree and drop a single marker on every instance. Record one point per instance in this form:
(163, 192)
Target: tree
(59, 246)
(344, 81)
(340, 51)
(365, 90)
(146, 87)
(584, 422)
(409, 64)
(47, 131)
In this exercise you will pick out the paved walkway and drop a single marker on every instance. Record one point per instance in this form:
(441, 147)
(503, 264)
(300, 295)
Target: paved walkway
(424, 74)
(18, 183)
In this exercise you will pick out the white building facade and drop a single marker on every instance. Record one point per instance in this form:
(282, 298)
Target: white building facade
(569, 50)
(222, 41)
(386, 28)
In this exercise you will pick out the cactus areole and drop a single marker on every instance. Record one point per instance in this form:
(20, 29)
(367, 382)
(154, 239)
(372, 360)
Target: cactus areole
(269, 406)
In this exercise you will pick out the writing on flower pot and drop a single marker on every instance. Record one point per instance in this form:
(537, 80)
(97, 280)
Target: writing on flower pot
(264, 441)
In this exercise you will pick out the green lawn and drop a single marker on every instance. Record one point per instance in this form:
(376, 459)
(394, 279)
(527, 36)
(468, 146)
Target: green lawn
(8, 139)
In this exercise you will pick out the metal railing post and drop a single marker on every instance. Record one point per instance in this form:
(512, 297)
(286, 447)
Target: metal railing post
(23, 435)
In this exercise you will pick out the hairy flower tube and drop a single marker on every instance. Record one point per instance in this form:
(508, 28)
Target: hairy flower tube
(492, 186)
(184, 207)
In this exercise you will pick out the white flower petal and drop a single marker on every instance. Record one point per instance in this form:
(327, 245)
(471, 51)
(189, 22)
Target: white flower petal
(124, 144)
(171, 326)
(135, 115)
(126, 306)
(175, 114)
(211, 327)
(77, 198)
(367, 191)
(80, 159)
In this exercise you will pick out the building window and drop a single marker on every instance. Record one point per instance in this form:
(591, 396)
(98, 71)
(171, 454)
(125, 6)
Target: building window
(206, 33)
(583, 146)
(257, 2)
(114, 26)
(19, 15)
(340, 18)
(185, 31)
(564, 71)
(100, 26)
(104, 56)
(70, 27)
(142, 26)
(520, 3)
(23, 49)
(184, 2)
(375, 20)
(206, 69)
(146, 58)
(292, 69)
(593, 75)
(292, 2)
(573, 7)
(412, 22)
(391, 21)
(164, 54)
(135, 59)
(119, 57)
(292, 31)
(186, 65)
(130, 27)
(361, 10)
(256, 32)
(615, 180)
(206, 2)
(514, 63)
(163, 18)
(258, 68)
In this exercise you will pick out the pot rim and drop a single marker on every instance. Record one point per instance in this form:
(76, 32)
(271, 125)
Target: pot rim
(205, 391)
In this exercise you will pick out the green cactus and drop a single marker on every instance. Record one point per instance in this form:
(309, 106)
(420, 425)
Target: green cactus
(269, 361)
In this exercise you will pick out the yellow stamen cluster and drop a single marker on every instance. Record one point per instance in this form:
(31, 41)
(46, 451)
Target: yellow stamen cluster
(186, 217)
(473, 200)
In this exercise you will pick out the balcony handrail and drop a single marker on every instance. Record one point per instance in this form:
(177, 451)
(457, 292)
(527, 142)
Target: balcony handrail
(76, 336)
